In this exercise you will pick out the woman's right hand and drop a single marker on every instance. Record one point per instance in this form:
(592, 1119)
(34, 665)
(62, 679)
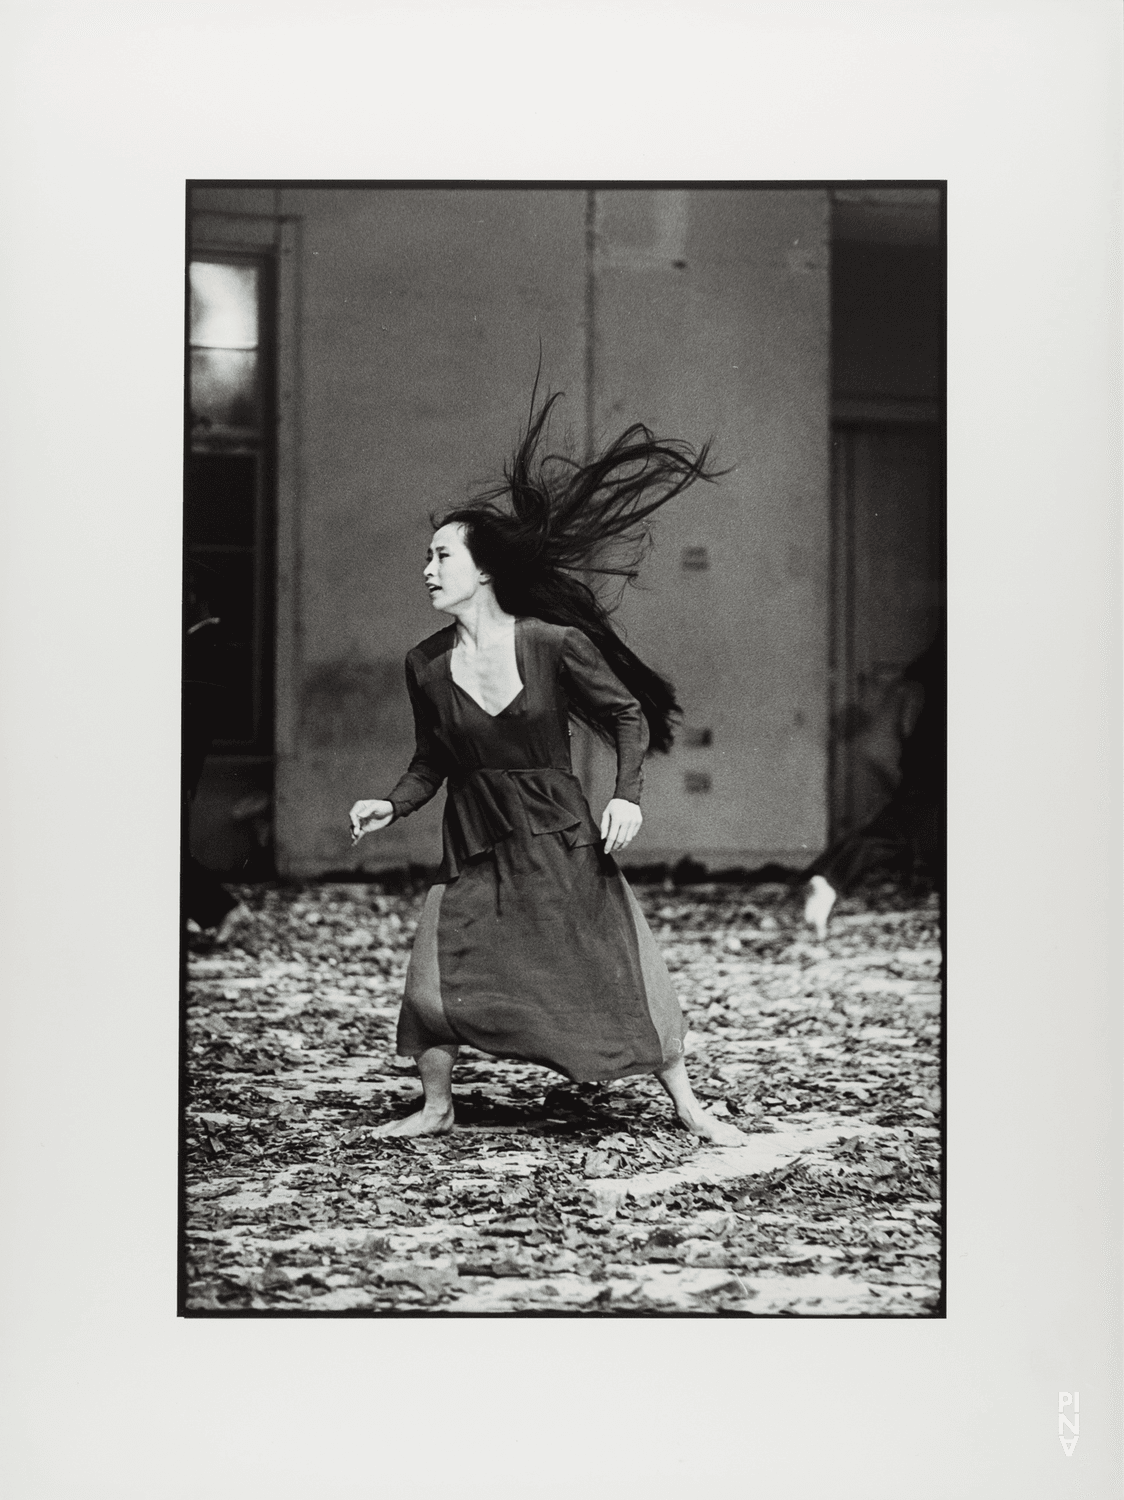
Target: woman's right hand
(369, 815)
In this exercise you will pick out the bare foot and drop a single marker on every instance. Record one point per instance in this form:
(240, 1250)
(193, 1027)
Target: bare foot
(421, 1122)
(817, 906)
(707, 1128)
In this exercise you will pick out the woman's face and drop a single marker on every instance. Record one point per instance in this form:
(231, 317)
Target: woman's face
(451, 574)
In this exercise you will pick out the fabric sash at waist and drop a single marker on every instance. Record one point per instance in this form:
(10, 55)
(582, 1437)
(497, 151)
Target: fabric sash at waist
(488, 805)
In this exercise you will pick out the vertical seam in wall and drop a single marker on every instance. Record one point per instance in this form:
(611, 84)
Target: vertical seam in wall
(831, 777)
(590, 318)
(298, 467)
(831, 766)
(585, 758)
(848, 613)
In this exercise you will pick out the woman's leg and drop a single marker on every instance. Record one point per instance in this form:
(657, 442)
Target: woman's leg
(691, 1113)
(435, 1065)
(818, 902)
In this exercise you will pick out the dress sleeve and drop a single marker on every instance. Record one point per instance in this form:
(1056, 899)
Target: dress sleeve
(427, 770)
(591, 682)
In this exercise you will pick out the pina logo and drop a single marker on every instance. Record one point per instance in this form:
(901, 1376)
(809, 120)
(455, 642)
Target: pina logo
(1072, 1399)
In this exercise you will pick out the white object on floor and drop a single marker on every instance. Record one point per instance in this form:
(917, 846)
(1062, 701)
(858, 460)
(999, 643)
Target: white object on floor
(817, 907)
(232, 921)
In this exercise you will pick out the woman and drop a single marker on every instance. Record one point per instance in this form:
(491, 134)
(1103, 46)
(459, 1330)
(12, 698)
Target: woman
(531, 944)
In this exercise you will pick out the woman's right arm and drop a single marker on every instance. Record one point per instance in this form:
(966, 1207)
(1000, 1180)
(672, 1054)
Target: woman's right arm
(423, 776)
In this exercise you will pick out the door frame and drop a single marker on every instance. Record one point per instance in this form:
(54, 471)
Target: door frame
(848, 418)
(272, 238)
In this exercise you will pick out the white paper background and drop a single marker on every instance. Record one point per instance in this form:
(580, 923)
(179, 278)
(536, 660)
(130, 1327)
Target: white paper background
(107, 109)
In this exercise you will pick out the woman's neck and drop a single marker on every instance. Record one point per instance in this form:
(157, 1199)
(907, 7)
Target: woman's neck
(480, 620)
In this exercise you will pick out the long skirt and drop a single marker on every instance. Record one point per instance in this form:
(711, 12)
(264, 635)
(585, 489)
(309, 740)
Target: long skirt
(538, 950)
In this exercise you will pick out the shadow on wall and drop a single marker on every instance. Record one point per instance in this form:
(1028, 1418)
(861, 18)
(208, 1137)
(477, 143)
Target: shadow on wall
(344, 705)
(355, 703)
(230, 826)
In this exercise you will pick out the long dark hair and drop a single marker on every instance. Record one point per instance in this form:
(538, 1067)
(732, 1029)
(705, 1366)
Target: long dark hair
(552, 519)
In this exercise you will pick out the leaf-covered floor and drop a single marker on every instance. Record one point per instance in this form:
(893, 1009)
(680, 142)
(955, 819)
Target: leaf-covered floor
(550, 1197)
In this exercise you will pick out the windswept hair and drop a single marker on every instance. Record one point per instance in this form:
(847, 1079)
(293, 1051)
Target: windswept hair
(553, 520)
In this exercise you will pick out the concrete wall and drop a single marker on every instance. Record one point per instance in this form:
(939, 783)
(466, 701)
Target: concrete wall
(420, 319)
(410, 325)
(712, 320)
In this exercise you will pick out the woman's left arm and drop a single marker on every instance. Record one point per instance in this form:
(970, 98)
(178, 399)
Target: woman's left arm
(591, 681)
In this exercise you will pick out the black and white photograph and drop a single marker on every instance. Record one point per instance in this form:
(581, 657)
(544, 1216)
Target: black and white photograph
(563, 750)
(582, 954)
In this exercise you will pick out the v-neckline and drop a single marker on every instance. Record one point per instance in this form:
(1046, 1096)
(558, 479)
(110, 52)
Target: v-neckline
(517, 644)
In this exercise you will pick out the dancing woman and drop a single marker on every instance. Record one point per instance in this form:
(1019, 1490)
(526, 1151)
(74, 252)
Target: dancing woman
(531, 944)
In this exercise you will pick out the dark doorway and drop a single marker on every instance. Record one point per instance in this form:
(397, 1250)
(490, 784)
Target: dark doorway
(888, 568)
(228, 544)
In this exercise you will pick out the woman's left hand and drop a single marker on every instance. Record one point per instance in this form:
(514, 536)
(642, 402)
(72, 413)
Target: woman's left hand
(620, 823)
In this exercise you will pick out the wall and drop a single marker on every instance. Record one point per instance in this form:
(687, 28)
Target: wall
(421, 314)
(887, 296)
(712, 320)
(414, 319)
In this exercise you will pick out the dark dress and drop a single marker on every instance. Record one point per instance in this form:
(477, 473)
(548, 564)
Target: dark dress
(531, 945)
